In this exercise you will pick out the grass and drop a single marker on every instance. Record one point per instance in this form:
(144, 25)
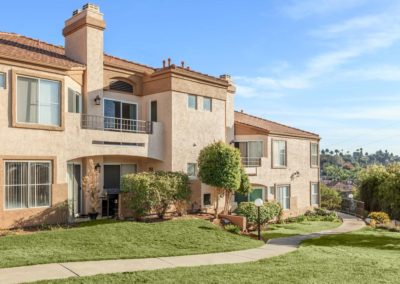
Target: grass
(118, 240)
(291, 229)
(365, 256)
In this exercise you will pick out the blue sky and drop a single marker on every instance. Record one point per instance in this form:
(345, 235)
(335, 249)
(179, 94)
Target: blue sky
(327, 66)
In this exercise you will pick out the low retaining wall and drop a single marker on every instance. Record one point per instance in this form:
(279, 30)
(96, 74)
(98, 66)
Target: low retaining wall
(239, 221)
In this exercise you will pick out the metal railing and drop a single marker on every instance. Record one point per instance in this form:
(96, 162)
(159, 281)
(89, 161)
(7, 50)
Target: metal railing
(251, 162)
(106, 123)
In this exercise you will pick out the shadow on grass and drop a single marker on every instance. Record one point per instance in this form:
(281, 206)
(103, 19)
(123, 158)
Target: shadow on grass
(375, 239)
(98, 222)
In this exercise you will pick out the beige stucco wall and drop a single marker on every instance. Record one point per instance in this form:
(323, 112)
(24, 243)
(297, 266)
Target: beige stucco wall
(298, 159)
(69, 144)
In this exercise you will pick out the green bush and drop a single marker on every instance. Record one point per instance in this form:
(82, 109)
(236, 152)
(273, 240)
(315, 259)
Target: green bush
(146, 192)
(379, 189)
(330, 198)
(319, 214)
(232, 229)
(268, 211)
(379, 217)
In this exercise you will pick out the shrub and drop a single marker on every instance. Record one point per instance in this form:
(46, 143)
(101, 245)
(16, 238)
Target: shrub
(379, 217)
(320, 214)
(330, 198)
(146, 192)
(249, 210)
(232, 229)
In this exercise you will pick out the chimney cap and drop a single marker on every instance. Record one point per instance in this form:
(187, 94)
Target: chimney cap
(91, 7)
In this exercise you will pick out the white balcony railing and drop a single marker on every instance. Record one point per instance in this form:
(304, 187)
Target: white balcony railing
(251, 162)
(105, 123)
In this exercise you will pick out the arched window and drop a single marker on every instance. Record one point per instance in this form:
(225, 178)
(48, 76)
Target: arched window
(121, 86)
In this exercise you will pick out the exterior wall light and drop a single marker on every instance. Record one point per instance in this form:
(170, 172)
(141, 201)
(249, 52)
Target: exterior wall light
(97, 167)
(97, 100)
(258, 202)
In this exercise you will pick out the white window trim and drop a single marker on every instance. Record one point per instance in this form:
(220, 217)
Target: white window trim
(290, 195)
(311, 155)
(311, 193)
(59, 104)
(273, 156)
(29, 162)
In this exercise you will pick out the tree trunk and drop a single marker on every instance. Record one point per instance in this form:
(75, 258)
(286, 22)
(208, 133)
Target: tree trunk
(228, 197)
(218, 191)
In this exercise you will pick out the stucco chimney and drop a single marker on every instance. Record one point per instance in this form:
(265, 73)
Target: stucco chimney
(83, 34)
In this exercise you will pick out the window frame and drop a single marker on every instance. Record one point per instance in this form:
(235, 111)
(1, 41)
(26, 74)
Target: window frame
(4, 75)
(17, 124)
(318, 194)
(195, 170)
(211, 104)
(120, 170)
(273, 156)
(196, 102)
(277, 186)
(155, 114)
(311, 155)
(207, 205)
(29, 162)
(76, 95)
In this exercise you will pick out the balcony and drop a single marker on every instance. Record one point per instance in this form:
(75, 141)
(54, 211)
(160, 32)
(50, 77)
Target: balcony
(105, 123)
(249, 162)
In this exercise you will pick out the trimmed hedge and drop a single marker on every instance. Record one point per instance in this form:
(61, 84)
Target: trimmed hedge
(268, 211)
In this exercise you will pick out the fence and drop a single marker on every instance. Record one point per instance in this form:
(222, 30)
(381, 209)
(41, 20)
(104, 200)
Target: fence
(353, 207)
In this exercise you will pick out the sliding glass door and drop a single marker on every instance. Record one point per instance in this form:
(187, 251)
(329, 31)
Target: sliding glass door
(120, 115)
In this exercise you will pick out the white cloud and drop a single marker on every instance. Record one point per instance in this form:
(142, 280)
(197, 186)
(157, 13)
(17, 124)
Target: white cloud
(305, 8)
(377, 72)
(353, 38)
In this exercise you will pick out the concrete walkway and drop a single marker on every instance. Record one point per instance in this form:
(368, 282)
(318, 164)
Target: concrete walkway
(273, 247)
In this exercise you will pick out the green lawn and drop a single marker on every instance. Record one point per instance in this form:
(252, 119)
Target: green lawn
(117, 240)
(366, 256)
(291, 229)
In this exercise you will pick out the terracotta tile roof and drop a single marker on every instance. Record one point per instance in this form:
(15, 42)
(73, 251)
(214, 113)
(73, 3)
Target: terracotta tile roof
(272, 127)
(29, 49)
(113, 60)
(24, 48)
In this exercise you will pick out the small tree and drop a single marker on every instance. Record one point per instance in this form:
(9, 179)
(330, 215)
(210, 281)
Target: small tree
(91, 187)
(330, 198)
(220, 168)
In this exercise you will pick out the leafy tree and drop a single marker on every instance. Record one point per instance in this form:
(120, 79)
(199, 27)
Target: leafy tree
(220, 167)
(330, 198)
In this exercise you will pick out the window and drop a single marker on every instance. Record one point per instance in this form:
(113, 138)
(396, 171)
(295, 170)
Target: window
(272, 190)
(191, 169)
(314, 194)
(120, 115)
(207, 199)
(255, 194)
(192, 101)
(251, 152)
(279, 153)
(27, 184)
(314, 155)
(38, 101)
(153, 111)
(2, 80)
(283, 196)
(121, 86)
(207, 104)
(113, 173)
(74, 101)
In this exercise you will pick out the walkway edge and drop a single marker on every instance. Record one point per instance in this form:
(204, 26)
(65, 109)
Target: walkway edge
(273, 247)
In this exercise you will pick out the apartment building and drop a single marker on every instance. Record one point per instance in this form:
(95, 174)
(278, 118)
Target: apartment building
(62, 106)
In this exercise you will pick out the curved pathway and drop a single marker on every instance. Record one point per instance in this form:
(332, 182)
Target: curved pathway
(273, 247)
